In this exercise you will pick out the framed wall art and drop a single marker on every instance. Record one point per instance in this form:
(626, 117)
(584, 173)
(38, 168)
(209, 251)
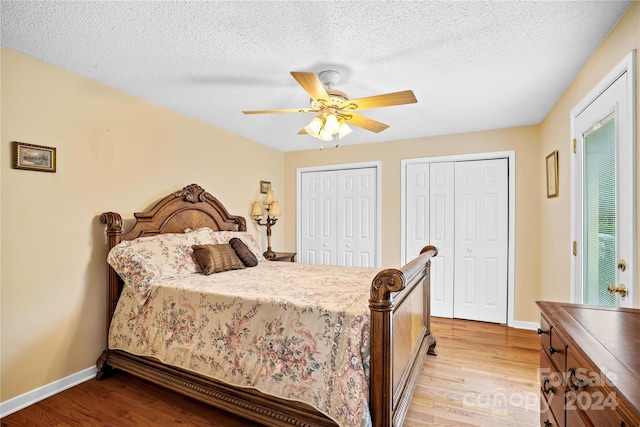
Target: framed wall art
(552, 175)
(34, 157)
(265, 186)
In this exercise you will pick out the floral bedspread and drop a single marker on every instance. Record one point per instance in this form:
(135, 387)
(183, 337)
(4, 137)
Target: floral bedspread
(293, 330)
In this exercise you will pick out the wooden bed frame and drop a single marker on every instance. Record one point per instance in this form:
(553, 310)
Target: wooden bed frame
(400, 325)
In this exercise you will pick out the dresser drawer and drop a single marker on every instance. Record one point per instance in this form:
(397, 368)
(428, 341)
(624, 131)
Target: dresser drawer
(545, 333)
(546, 416)
(590, 395)
(551, 390)
(577, 419)
(553, 345)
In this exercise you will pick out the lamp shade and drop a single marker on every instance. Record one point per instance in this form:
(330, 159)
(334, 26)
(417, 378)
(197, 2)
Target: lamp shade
(256, 209)
(268, 198)
(274, 211)
(331, 124)
(325, 135)
(314, 126)
(344, 130)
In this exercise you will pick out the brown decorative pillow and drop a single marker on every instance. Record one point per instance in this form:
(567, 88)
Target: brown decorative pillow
(244, 253)
(216, 258)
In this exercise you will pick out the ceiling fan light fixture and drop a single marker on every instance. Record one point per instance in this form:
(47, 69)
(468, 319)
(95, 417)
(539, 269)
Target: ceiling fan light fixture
(334, 108)
(325, 135)
(331, 124)
(345, 130)
(314, 126)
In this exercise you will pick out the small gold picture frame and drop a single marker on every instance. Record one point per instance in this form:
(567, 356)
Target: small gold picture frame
(264, 187)
(34, 157)
(552, 175)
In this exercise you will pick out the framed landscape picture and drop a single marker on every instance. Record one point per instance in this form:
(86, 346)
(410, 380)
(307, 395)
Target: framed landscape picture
(34, 157)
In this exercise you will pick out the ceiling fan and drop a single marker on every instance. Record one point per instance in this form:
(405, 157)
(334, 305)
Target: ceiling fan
(336, 110)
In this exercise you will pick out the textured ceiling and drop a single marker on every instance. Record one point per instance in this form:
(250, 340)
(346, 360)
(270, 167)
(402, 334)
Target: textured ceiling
(472, 65)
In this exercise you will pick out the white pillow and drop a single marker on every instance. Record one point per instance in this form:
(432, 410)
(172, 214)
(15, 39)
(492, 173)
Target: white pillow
(145, 260)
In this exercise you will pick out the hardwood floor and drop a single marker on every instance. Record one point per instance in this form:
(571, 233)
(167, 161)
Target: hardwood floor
(484, 374)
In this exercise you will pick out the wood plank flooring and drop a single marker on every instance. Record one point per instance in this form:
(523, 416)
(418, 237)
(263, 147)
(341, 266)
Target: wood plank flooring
(484, 374)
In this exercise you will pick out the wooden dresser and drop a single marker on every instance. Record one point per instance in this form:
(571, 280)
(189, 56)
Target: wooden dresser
(589, 366)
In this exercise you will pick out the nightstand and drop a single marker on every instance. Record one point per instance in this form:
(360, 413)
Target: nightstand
(284, 256)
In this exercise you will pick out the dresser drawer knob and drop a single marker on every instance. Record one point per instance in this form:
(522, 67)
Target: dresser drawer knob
(547, 423)
(546, 390)
(577, 384)
(540, 332)
(553, 350)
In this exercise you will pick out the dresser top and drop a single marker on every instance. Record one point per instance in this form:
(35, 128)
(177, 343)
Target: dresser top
(617, 331)
(609, 337)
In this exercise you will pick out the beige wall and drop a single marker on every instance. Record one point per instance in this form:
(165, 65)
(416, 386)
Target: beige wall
(523, 140)
(115, 152)
(555, 133)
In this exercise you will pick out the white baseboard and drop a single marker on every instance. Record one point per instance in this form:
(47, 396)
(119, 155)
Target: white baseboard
(519, 324)
(29, 398)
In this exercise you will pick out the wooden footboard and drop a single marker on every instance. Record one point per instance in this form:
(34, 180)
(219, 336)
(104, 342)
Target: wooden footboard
(400, 335)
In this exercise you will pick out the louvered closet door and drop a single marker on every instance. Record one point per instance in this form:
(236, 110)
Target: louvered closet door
(319, 218)
(356, 217)
(481, 216)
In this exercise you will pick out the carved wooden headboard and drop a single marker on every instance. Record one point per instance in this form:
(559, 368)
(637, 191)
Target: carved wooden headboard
(190, 208)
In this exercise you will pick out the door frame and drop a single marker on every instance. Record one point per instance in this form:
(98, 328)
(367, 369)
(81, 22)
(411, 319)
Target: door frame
(325, 168)
(511, 232)
(626, 65)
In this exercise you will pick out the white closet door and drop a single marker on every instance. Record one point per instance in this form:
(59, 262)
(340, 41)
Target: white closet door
(441, 235)
(319, 217)
(430, 221)
(338, 219)
(417, 210)
(356, 200)
(481, 216)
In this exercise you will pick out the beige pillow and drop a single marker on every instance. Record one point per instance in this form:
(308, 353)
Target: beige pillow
(216, 258)
(246, 237)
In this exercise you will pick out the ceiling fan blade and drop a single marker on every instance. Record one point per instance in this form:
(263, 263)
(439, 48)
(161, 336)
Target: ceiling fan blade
(366, 123)
(386, 100)
(311, 84)
(290, 110)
